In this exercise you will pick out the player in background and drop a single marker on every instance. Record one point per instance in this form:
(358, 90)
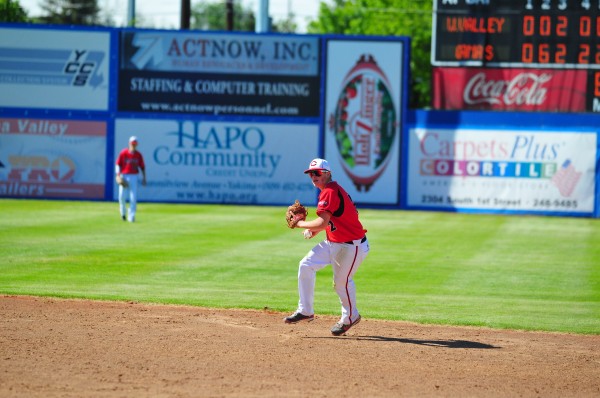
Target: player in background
(130, 163)
(345, 248)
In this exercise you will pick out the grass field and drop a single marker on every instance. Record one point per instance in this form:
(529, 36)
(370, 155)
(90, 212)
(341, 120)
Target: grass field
(532, 273)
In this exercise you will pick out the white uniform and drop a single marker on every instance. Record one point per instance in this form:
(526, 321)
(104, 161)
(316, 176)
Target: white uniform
(132, 181)
(345, 260)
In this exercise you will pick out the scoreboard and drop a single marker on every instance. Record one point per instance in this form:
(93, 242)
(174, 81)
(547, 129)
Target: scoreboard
(517, 33)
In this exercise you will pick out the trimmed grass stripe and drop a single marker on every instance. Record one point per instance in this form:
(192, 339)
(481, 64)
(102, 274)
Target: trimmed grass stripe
(532, 273)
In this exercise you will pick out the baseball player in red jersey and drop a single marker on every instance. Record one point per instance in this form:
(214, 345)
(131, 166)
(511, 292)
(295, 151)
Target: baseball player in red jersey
(345, 248)
(130, 163)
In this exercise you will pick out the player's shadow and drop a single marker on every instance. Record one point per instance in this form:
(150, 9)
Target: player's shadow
(432, 343)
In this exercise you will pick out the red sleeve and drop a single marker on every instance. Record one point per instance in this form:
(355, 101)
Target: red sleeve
(328, 201)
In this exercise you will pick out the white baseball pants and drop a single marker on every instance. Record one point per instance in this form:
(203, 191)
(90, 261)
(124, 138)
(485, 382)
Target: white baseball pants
(132, 180)
(345, 260)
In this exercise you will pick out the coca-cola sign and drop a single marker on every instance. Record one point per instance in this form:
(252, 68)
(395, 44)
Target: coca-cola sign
(526, 88)
(509, 89)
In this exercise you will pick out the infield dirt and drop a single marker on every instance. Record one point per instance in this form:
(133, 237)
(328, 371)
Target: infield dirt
(79, 348)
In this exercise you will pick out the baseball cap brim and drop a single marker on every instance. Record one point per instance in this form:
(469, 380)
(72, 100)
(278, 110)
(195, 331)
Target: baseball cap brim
(316, 168)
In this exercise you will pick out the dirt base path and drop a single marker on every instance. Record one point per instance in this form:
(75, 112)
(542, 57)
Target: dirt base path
(78, 348)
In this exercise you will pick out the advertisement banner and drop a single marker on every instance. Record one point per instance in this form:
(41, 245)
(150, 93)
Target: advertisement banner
(222, 162)
(54, 69)
(47, 158)
(363, 117)
(502, 170)
(550, 90)
(219, 74)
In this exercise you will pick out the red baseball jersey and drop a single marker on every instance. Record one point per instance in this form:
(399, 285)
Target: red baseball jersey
(130, 162)
(343, 225)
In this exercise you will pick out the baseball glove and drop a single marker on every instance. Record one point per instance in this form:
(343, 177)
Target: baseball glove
(121, 181)
(295, 213)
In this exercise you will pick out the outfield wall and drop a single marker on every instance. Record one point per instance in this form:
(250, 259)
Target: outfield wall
(235, 117)
(221, 117)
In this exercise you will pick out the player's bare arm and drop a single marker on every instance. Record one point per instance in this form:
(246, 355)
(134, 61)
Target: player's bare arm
(318, 224)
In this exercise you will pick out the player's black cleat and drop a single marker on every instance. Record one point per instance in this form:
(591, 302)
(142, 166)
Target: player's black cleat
(123, 218)
(341, 328)
(297, 317)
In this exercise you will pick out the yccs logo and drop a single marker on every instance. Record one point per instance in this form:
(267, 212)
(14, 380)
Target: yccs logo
(364, 123)
(81, 68)
(53, 67)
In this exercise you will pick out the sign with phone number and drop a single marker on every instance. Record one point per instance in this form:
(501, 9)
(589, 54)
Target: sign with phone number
(502, 170)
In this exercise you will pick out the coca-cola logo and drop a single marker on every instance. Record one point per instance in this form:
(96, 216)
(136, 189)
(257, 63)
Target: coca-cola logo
(524, 89)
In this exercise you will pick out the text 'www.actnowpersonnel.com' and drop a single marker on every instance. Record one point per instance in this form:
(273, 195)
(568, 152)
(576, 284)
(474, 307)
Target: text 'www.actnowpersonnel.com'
(267, 109)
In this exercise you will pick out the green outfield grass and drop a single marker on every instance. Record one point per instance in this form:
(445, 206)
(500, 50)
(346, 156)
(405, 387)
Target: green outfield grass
(533, 273)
